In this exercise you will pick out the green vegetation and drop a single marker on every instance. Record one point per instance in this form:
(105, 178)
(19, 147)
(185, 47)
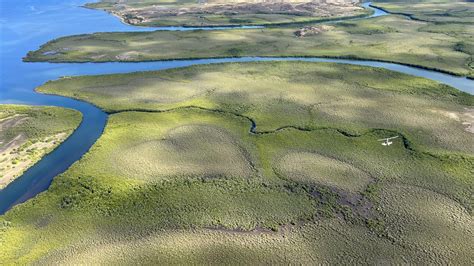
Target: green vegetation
(158, 13)
(323, 242)
(391, 38)
(320, 170)
(279, 94)
(450, 18)
(185, 179)
(420, 217)
(27, 133)
(440, 12)
(35, 122)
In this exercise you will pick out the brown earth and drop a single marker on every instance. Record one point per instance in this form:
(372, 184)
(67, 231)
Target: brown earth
(18, 154)
(138, 15)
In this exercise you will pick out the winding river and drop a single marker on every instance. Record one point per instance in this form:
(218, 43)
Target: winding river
(25, 25)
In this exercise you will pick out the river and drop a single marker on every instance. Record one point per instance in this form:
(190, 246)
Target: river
(25, 25)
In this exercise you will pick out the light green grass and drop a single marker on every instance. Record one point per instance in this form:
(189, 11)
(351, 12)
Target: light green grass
(184, 146)
(165, 147)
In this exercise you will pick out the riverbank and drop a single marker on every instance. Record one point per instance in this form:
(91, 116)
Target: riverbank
(28, 134)
(291, 58)
(178, 91)
(95, 120)
(362, 39)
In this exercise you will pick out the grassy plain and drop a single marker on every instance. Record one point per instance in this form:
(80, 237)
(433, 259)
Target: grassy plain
(446, 47)
(174, 181)
(279, 94)
(158, 13)
(27, 133)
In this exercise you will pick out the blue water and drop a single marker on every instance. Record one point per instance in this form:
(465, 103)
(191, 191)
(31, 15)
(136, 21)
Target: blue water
(25, 25)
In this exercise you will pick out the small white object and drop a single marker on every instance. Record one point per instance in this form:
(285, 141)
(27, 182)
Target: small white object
(386, 141)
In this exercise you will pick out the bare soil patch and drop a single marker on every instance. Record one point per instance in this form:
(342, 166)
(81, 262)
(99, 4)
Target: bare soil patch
(19, 154)
(145, 14)
(312, 30)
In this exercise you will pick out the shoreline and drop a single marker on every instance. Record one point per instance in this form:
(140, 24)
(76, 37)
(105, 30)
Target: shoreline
(34, 162)
(29, 173)
(355, 58)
